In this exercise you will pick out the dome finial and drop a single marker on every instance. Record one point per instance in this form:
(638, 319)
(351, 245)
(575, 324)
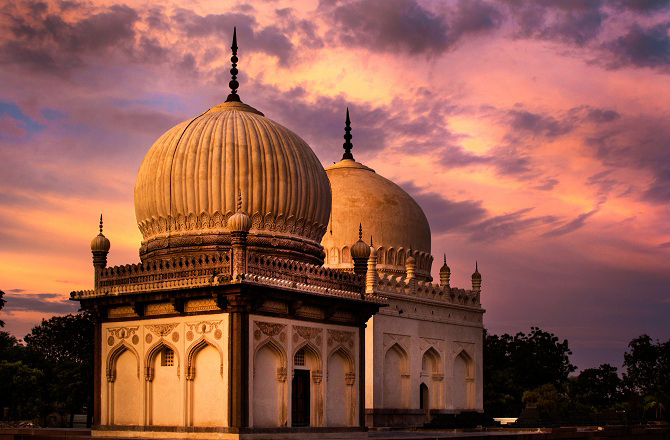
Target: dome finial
(239, 200)
(371, 241)
(233, 84)
(347, 138)
(360, 231)
(100, 224)
(445, 258)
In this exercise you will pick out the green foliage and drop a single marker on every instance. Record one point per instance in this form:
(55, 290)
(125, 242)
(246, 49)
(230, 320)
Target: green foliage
(20, 389)
(66, 338)
(648, 374)
(598, 388)
(519, 363)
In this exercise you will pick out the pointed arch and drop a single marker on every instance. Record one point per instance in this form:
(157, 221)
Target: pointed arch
(381, 255)
(346, 256)
(153, 352)
(463, 381)
(310, 348)
(396, 377)
(346, 354)
(391, 257)
(194, 349)
(274, 346)
(268, 385)
(114, 355)
(431, 361)
(340, 389)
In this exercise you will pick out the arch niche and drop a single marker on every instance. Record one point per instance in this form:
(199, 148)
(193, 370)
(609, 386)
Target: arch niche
(206, 375)
(464, 381)
(431, 372)
(396, 377)
(269, 381)
(340, 390)
(123, 386)
(312, 365)
(163, 385)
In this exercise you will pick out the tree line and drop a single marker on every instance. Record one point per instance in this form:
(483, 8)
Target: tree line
(534, 370)
(48, 378)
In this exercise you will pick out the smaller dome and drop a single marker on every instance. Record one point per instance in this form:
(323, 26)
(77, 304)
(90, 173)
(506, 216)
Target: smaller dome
(100, 243)
(360, 250)
(410, 261)
(240, 221)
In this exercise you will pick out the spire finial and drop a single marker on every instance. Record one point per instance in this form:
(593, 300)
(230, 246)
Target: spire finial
(476, 266)
(100, 224)
(445, 258)
(347, 138)
(233, 84)
(371, 241)
(360, 231)
(239, 200)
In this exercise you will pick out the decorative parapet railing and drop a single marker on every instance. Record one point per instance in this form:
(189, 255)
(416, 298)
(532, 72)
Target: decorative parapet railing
(425, 290)
(305, 274)
(173, 269)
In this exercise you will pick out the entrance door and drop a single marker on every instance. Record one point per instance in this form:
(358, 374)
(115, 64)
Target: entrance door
(424, 398)
(300, 398)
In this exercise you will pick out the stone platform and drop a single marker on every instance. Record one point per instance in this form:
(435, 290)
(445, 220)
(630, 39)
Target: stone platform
(650, 432)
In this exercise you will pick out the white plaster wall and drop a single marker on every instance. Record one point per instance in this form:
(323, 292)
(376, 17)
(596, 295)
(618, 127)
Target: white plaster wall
(448, 329)
(167, 397)
(335, 384)
(273, 370)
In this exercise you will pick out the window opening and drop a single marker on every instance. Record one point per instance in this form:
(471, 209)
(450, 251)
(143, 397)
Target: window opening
(299, 358)
(168, 358)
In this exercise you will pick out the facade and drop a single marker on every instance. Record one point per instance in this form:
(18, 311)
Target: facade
(232, 325)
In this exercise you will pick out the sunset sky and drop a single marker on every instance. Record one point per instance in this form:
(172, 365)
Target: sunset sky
(534, 134)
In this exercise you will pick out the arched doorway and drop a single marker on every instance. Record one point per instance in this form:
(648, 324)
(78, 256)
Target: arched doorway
(424, 397)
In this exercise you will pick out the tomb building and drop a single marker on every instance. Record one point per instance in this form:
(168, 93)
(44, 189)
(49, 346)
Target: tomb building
(254, 307)
(424, 351)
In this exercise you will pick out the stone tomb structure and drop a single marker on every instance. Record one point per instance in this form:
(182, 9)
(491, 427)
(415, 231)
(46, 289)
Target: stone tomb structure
(424, 351)
(232, 326)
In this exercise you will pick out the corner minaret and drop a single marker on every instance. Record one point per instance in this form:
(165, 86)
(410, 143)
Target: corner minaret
(99, 248)
(347, 145)
(476, 279)
(360, 253)
(233, 84)
(445, 273)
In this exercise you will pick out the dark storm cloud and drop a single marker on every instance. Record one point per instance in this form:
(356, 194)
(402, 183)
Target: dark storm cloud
(270, 40)
(406, 26)
(38, 302)
(445, 215)
(507, 225)
(642, 47)
(573, 21)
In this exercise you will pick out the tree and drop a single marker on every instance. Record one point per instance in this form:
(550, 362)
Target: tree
(66, 345)
(2, 304)
(648, 373)
(598, 388)
(523, 362)
(20, 389)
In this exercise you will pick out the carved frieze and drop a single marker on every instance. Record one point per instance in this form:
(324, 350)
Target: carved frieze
(123, 332)
(159, 309)
(307, 333)
(336, 337)
(270, 328)
(161, 330)
(200, 305)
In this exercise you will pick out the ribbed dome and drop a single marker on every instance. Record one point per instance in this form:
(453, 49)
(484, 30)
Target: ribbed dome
(187, 186)
(393, 219)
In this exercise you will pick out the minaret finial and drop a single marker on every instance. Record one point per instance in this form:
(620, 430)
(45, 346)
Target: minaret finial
(233, 84)
(239, 200)
(100, 224)
(476, 266)
(445, 258)
(347, 138)
(360, 231)
(371, 241)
